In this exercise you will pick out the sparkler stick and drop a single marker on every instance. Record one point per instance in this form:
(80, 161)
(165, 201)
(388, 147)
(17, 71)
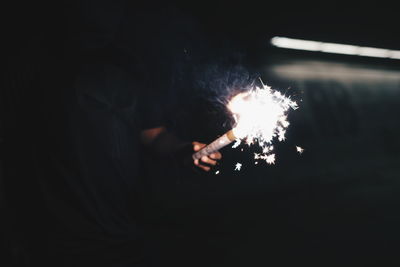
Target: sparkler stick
(216, 145)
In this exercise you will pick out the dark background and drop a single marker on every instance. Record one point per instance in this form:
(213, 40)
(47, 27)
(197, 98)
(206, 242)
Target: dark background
(334, 205)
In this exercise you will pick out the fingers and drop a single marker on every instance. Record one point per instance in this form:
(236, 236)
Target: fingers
(206, 162)
(216, 155)
(198, 146)
(201, 166)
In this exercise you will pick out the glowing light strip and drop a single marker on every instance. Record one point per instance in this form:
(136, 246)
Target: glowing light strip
(298, 44)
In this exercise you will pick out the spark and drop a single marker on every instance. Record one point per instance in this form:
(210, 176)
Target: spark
(299, 149)
(236, 144)
(260, 116)
(238, 166)
(270, 159)
(217, 172)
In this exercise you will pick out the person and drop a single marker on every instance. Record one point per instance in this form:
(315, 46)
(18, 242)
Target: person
(94, 121)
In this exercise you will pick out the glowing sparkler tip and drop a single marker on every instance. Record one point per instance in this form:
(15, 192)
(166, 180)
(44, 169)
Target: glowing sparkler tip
(261, 116)
(217, 172)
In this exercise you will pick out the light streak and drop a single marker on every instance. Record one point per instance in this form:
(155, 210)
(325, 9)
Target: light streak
(335, 48)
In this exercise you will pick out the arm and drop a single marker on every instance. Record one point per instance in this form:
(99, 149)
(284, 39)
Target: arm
(165, 143)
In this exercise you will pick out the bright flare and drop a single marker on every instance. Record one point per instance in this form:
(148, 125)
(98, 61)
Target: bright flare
(261, 116)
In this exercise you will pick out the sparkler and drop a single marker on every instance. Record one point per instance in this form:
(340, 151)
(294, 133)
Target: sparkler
(260, 116)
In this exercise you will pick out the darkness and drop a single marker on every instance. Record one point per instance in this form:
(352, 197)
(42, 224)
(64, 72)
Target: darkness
(334, 205)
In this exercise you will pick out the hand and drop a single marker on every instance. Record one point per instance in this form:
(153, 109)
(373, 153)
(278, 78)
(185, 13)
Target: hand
(206, 162)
